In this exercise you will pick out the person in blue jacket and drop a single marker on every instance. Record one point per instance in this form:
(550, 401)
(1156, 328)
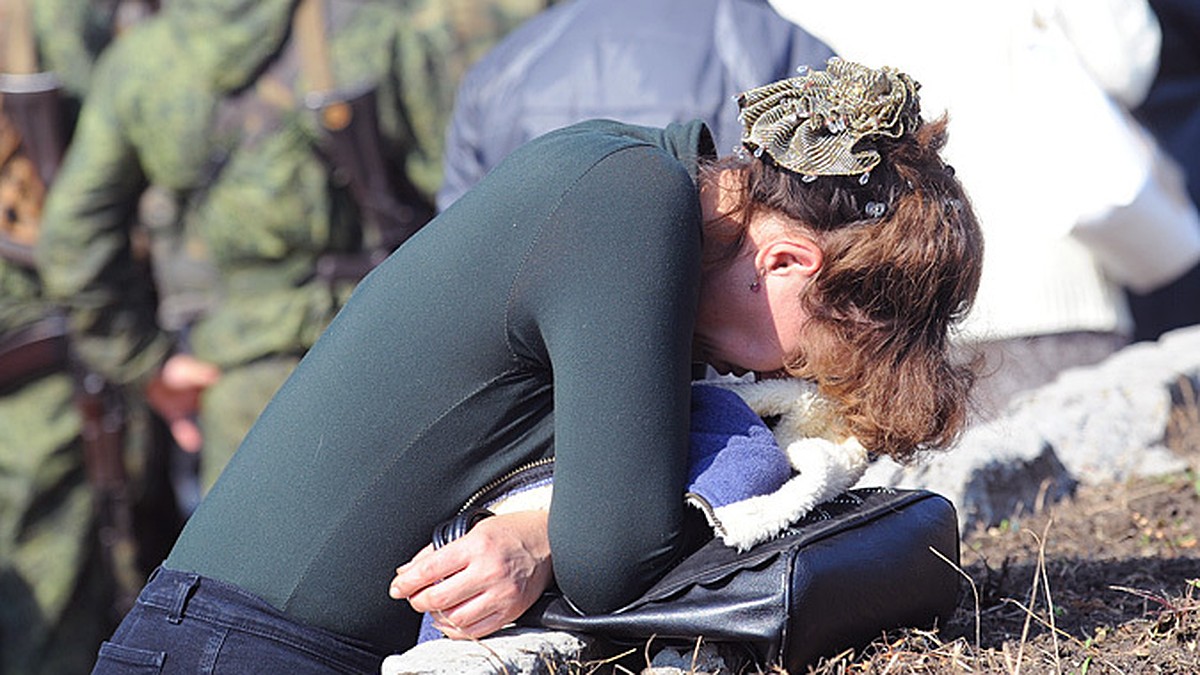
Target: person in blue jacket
(648, 62)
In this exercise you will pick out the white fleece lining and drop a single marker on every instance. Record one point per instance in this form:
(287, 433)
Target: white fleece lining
(825, 465)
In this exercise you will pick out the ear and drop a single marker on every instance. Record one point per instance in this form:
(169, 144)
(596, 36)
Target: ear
(790, 255)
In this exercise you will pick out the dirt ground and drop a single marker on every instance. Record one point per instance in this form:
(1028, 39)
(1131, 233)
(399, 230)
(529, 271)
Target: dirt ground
(1105, 582)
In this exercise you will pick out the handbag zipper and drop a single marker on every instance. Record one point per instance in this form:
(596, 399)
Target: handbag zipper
(492, 486)
(710, 514)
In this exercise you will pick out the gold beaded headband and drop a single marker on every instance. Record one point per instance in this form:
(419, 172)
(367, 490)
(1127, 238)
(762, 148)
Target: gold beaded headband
(812, 123)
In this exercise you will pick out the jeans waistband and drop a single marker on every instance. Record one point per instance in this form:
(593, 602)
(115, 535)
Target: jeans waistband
(188, 595)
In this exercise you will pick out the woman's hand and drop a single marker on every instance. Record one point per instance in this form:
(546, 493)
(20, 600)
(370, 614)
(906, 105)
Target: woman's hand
(174, 394)
(482, 581)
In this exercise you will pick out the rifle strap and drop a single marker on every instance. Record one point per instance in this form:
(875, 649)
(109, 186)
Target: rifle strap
(308, 25)
(20, 51)
(308, 21)
(33, 351)
(257, 111)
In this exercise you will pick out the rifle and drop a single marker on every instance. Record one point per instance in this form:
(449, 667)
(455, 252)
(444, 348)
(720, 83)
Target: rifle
(41, 349)
(32, 99)
(21, 254)
(103, 435)
(392, 208)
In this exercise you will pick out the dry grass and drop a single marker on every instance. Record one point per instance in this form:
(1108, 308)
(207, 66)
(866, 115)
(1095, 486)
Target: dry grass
(1039, 613)
(1107, 582)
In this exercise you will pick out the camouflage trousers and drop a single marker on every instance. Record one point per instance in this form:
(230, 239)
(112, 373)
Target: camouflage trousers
(58, 588)
(56, 606)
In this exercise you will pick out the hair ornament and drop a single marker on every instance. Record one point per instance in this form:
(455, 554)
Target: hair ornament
(813, 123)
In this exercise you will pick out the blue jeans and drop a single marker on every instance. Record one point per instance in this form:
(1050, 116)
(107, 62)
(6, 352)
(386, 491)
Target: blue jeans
(185, 623)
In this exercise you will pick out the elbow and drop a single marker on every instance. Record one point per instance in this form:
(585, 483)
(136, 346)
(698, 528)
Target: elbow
(590, 599)
(602, 581)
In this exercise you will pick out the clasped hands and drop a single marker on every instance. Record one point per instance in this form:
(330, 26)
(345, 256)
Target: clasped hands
(482, 581)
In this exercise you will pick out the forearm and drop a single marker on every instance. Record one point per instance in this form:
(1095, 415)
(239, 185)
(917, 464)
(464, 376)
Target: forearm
(622, 386)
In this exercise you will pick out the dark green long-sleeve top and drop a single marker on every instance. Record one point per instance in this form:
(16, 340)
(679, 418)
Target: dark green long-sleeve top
(550, 311)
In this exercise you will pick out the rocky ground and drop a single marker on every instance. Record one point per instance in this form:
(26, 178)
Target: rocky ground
(1107, 581)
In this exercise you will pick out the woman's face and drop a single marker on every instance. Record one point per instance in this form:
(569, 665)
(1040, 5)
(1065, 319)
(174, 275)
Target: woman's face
(750, 315)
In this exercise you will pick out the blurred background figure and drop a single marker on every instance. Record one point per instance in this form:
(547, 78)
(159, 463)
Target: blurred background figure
(74, 541)
(648, 62)
(261, 156)
(1085, 206)
(205, 210)
(1171, 111)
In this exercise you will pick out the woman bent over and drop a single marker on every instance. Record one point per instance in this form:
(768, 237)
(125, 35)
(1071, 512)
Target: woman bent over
(557, 309)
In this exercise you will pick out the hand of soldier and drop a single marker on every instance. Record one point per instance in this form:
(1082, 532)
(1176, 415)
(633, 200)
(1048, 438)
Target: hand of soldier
(477, 584)
(174, 393)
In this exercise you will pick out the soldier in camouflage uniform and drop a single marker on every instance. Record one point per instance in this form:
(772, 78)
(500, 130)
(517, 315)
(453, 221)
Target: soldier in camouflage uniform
(57, 596)
(55, 610)
(196, 120)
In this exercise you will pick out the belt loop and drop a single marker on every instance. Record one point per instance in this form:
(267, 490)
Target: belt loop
(186, 587)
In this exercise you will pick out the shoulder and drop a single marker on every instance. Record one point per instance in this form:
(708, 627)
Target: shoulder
(149, 53)
(668, 154)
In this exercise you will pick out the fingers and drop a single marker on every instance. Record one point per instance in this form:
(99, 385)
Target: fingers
(460, 570)
(453, 625)
(453, 589)
(426, 568)
(475, 585)
(187, 434)
(174, 394)
(184, 371)
(476, 615)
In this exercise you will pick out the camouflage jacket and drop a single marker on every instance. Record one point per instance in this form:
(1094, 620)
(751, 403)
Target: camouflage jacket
(236, 215)
(69, 34)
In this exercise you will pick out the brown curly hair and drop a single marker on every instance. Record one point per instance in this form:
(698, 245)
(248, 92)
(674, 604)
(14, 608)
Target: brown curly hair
(891, 288)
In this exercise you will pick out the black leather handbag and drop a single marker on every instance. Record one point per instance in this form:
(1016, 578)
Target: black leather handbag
(857, 566)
